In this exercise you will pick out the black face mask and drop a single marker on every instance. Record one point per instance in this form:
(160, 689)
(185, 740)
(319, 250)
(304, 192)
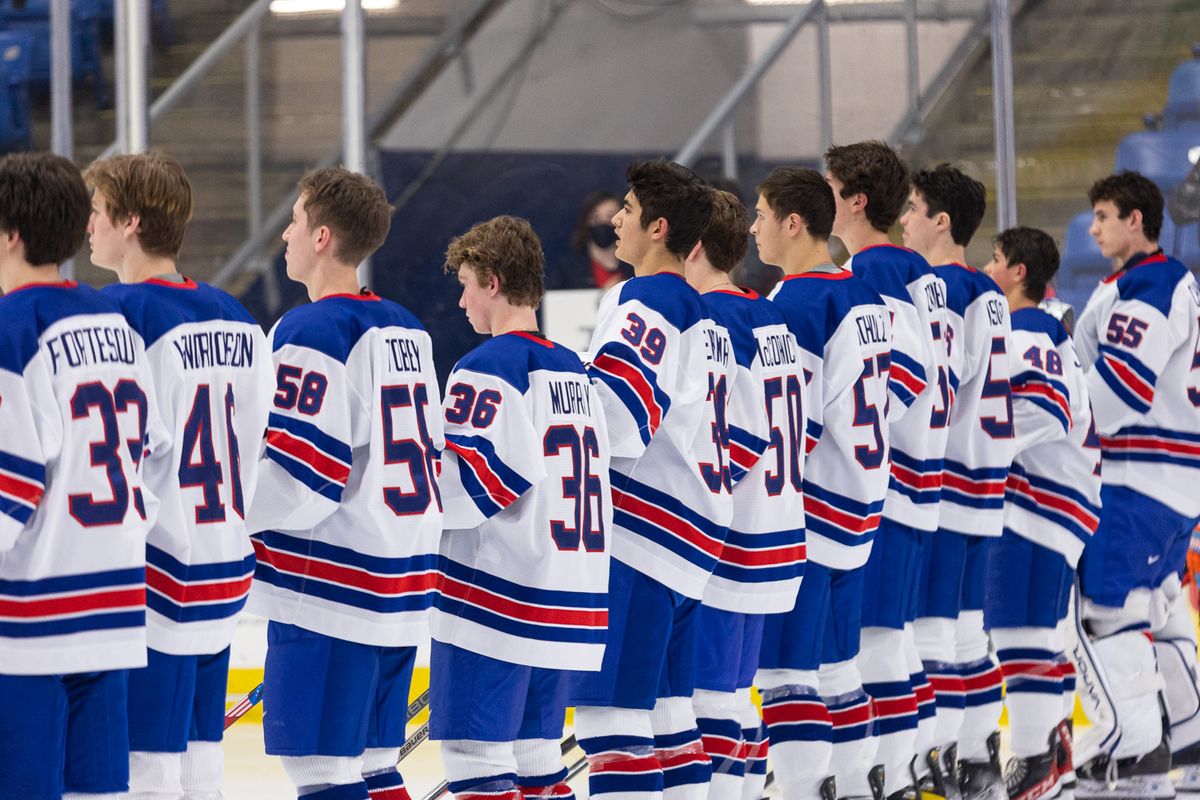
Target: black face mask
(603, 235)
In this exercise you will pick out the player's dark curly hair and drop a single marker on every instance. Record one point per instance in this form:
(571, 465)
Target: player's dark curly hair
(727, 236)
(1036, 250)
(871, 168)
(1131, 191)
(805, 192)
(505, 247)
(44, 199)
(672, 192)
(947, 189)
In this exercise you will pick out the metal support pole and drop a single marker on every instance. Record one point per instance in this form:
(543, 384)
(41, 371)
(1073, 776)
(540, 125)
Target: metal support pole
(717, 117)
(62, 135)
(729, 164)
(254, 201)
(1002, 92)
(825, 78)
(135, 108)
(913, 53)
(354, 104)
(120, 68)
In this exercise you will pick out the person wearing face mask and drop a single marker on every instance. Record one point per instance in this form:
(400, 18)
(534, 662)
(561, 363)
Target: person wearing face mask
(594, 237)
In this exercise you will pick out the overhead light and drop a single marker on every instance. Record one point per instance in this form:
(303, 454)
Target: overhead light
(326, 6)
(1194, 154)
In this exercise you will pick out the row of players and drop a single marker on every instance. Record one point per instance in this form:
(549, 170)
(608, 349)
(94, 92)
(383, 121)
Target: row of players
(876, 500)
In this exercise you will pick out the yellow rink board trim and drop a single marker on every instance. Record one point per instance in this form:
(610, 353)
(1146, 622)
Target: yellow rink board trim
(241, 681)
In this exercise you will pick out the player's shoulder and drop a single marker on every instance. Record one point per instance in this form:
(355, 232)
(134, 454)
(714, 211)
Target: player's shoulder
(156, 307)
(743, 313)
(1153, 280)
(965, 285)
(668, 294)
(513, 357)
(28, 312)
(1038, 322)
(890, 269)
(334, 325)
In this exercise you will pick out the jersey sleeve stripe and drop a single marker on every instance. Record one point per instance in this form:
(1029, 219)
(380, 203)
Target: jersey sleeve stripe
(1129, 380)
(502, 484)
(666, 521)
(812, 434)
(331, 446)
(764, 550)
(909, 375)
(498, 598)
(623, 372)
(1051, 499)
(839, 518)
(72, 604)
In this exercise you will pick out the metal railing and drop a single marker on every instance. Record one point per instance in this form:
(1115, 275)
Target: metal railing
(795, 18)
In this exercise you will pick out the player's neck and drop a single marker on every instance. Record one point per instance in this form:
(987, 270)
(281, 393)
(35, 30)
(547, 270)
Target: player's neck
(143, 267)
(945, 251)
(1137, 245)
(704, 277)
(509, 318)
(332, 278)
(862, 235)
(14, 276)
(657, 261)
(1018, 300)
(805, 258)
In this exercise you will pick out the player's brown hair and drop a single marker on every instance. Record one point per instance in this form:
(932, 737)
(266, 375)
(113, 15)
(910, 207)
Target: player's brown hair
(727, 235)
(352, 206)
(1036, 250)
(44, 200)
(505, 247)
(875, 170)
(152, 186)
(804, 192)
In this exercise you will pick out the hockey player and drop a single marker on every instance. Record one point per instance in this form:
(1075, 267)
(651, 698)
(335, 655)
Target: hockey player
(763, 557)
(1052, 507)
(528, 512)
(1139, 336)
(661, 370)
(944, 210)
(73, 516)
(870, 186)
(814, 705)
(347, 515)
(212, 375)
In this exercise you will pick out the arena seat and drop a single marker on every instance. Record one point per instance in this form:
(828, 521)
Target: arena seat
(1183, 96)
(1082, 265)
(1162, 156)
(34, 19)
(15, 54)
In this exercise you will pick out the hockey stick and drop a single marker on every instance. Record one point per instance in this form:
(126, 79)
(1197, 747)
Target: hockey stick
(442, 788)
(252, 699)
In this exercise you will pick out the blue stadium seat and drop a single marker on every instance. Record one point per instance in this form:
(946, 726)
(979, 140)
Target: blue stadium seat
(15, 53)
(1162, 156)
(34, 19)
(1183, 242)
(1082, 264)
(1183, 95)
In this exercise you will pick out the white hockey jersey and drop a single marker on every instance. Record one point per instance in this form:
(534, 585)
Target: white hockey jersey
(528, 507)
(1140, 336)
(844, 331)
(1053, 492)
(212, 376)
(658, 364)
(979, 449)
(919, 382)
(347, 514)
(764, 554)
(74, 410)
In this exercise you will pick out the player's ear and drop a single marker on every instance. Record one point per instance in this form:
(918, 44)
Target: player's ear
(1135, 220)
(942, 221)
(658, 230)
(324, 239)
(493, 285)
(129, 227)
(795, 224)
(694, 256)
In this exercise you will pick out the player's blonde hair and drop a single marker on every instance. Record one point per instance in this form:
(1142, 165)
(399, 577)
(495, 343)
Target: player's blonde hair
(505, 247)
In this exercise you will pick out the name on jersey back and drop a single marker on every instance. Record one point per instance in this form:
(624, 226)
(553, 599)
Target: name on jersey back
(96, 344)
